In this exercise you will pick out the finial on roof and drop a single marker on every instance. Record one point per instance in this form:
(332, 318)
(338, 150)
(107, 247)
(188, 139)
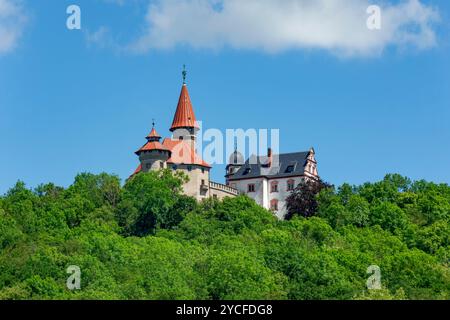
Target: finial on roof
(184, 73)
(153, 122)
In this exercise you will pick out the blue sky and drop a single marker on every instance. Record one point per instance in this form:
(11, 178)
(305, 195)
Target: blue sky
(83, 100)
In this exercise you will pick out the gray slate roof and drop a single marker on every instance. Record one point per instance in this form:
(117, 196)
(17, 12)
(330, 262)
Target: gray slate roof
(254, 166)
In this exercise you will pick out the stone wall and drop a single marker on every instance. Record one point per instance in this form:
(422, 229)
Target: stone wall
(198, 183)
(221, 191)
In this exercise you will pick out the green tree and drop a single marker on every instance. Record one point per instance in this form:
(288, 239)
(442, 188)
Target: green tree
(303, 200)
(148, 201)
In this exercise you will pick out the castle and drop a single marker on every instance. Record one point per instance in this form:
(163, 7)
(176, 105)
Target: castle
(267, 179)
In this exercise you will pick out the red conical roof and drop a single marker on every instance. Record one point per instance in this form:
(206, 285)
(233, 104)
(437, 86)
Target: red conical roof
(152, 142)
(184, 116)
(152, 145)
(153, 135)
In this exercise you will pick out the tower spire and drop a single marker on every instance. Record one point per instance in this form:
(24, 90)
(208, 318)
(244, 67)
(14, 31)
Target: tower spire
(153, 135)
(184, 115)
(184, 73)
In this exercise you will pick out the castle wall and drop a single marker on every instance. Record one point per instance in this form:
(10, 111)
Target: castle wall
(197, 178)
(260, 194)
(282, 194)
(153, 160)
(221, 191)
(263, 195)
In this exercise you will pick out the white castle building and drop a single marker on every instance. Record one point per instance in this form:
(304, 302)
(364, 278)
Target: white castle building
(270, 179)
(266, 179)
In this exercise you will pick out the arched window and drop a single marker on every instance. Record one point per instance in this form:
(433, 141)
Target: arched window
(290, 185)
(274, 205)
(274, 186)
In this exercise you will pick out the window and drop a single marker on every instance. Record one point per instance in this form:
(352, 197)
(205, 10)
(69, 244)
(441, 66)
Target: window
(251, 188)
(148, 165)
(290, 169)
(290, 185)
(246, 171)
(161, 165)
(274, 186)
(174, 167)
(203, 170)
(274, 205)
(189, 168)
(203, 182)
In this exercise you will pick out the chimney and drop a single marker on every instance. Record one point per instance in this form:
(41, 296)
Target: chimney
(269, 156)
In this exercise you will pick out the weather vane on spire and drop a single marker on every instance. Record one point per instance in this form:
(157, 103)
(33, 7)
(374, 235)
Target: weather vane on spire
(184, 73)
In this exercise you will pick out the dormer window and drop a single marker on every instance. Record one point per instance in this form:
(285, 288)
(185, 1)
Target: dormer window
(289, 169)
(246, 171)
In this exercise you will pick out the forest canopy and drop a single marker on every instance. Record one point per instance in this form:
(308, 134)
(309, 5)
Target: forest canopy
(145, 240)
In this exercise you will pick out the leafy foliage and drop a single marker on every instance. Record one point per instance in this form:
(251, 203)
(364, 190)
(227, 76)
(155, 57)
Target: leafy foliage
(303, 200)
(146, 240)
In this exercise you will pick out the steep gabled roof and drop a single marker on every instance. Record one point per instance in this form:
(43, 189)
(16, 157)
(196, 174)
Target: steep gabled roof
(254, 167)
(184, 116)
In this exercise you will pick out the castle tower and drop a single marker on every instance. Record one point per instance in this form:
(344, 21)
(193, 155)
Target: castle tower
(235, 162)
(179, 154)
(184, 125)
(153, 155)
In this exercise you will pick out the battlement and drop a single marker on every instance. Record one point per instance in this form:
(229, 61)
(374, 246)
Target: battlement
(224, 188)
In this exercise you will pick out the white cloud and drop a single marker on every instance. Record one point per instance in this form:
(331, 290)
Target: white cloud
(12, 21)
(101, 37)
(273, 25)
